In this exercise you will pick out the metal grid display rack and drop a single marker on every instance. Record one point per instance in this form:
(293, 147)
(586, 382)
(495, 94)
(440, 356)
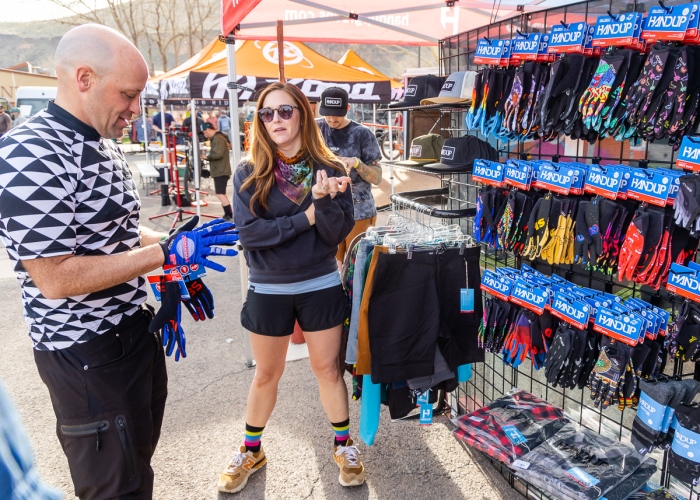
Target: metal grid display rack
(493, 378)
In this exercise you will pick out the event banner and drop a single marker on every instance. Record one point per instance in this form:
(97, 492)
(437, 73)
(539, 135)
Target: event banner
(213, 86)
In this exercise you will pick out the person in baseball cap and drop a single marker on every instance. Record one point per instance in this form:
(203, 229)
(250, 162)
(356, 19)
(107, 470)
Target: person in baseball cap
(358, 149)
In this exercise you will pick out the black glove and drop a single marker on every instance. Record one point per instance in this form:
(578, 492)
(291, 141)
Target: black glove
(201, 302)
(168, 318)
(558, 355)
(606, 374)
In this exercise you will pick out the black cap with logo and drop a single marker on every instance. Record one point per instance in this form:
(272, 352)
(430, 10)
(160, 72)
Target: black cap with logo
(418, 88)
(334, 102)
(458, 154)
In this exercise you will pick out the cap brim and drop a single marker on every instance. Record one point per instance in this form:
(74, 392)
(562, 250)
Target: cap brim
(403, 104)
(444, 167)
(331, 112)
(444, 100)
(414, 163)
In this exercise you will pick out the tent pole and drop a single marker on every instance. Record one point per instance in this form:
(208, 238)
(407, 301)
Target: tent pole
(195, 155)
(235, 136)
(374, 118)
(280, 49)
(391, 150)
(145, 129)
(162, 138)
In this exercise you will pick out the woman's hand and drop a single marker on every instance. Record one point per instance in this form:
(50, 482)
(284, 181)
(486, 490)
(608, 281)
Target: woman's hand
(329, 185)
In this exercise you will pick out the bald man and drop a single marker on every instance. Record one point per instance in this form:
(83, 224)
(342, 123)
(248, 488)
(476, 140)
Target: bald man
(69, 219)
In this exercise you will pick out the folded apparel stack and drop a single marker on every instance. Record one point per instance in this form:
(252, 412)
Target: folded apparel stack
(580, 464)
(511, 426)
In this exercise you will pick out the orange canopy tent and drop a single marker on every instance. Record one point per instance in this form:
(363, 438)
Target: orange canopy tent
(353, 60)
(257, 64)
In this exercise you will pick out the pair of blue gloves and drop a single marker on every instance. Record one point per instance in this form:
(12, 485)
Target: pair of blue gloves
(186, 246)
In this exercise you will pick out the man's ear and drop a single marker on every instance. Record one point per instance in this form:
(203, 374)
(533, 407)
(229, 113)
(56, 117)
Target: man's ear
(85, 78)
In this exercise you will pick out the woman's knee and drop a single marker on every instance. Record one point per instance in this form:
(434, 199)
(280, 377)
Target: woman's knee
(267, 376)
(326, 371)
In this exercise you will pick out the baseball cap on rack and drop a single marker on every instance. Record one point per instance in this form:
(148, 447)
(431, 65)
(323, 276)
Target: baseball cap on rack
(458, 154)
(457, 88)
(334, 102)
(424, 149)
(418, 88)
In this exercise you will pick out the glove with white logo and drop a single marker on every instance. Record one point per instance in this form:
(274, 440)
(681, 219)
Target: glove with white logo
(193, 247)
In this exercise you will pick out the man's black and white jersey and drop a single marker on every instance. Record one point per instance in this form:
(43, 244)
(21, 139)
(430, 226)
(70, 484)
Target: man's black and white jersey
(64, 190)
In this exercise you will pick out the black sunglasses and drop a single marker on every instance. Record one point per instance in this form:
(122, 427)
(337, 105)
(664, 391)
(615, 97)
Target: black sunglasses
(285, 111)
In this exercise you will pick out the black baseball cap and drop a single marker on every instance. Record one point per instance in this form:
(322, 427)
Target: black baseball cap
(458, 154)
(418, 88)
(334, 102)
(204, 126)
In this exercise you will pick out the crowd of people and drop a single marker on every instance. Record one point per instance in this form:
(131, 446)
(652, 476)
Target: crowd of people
(98, 346)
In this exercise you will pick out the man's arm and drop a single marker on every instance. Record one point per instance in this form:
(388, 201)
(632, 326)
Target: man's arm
(69, 275)
(372, 173)
(149, 237)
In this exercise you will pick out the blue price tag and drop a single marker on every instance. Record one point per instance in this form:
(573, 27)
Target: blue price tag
(426, 414)
(423, 398)
(466, 300)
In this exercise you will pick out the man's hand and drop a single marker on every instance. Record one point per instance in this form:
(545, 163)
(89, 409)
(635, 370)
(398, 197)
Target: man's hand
(193, 247)
(348, 162)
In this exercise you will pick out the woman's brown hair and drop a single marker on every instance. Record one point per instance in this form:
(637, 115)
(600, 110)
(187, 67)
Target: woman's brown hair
(263, 150)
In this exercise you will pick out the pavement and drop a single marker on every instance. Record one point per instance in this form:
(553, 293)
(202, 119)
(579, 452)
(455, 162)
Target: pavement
(205, 416)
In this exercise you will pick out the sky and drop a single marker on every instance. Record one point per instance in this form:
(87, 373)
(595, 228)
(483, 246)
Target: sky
(14, 11)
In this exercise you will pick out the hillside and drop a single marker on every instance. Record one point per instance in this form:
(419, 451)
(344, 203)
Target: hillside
(36, 42)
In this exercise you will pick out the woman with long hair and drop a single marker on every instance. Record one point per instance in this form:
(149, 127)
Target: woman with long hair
(292, 207)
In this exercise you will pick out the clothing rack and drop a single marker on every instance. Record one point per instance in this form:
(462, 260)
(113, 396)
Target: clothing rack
(398, 200)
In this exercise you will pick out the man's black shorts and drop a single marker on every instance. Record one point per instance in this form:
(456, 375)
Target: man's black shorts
(274, 315)
(220, 184)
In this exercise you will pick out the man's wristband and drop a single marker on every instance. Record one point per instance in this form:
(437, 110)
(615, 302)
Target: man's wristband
(357, 162)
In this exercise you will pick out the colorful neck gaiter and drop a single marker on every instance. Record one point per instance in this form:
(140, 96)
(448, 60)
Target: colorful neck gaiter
(294, 176)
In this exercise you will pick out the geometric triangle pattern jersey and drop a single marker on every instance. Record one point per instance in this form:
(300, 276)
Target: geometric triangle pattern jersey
(65, 190)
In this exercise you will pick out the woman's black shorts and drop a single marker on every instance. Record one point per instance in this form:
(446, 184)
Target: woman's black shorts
(274, 315)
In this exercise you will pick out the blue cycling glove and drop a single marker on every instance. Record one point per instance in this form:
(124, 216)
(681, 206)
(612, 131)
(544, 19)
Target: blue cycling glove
(168, 319)
(193, 247)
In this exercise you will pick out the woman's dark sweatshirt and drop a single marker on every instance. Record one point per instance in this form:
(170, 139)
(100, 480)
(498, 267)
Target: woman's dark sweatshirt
(280, 246)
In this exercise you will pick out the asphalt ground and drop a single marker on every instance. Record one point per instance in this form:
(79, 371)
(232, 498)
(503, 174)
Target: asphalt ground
(205, 416)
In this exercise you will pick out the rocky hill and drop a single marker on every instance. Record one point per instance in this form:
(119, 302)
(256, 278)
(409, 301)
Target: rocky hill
(36, 42)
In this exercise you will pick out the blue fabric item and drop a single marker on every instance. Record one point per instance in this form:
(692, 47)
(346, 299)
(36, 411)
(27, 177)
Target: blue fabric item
(19, 479)
(464, 373)
(370, 407)
(326, 281)
(358, 285)
(193, 247)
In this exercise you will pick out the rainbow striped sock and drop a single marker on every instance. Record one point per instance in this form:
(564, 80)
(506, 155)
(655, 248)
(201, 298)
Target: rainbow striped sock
(342, 432)
(252, 438)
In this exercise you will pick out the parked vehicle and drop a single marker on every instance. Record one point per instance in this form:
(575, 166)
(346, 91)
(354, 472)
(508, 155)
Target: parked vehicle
(31, 100)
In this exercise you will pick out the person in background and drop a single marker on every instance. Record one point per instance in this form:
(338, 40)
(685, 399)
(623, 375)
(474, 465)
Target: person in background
(17, 117)
(5, 122)
(18, 476)
(219, 165)
(213, 119)
(158, 122)
(225, 125)
(187, 124)
(358, 149)
(137, 132)
(292, 208)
